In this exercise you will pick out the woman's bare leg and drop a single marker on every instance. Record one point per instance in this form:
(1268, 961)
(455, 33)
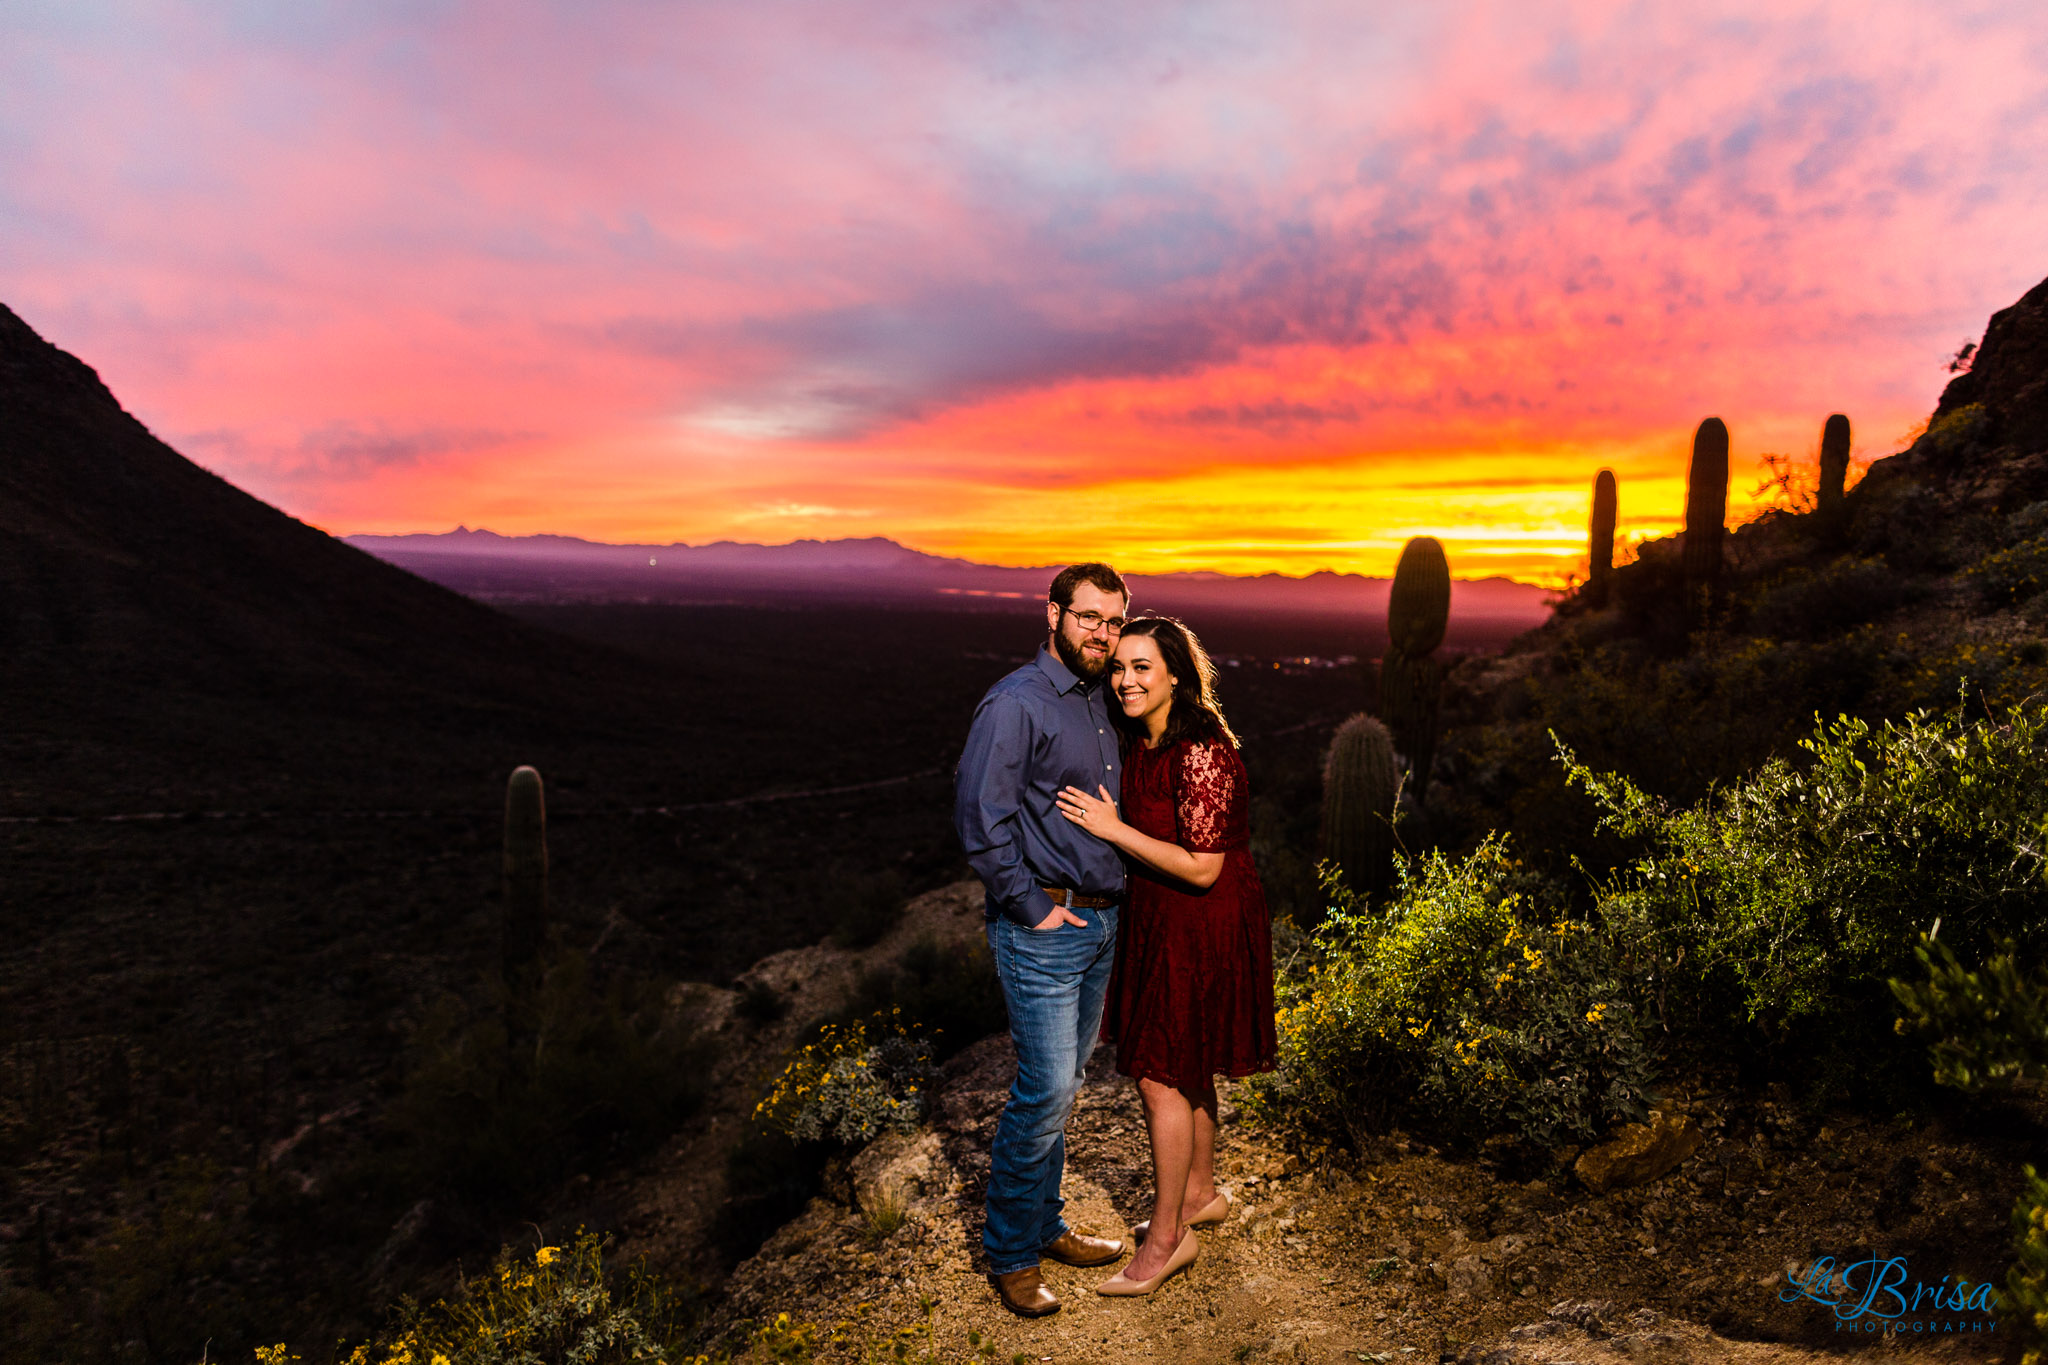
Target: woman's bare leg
(1170, 1122)
(1202, 1167)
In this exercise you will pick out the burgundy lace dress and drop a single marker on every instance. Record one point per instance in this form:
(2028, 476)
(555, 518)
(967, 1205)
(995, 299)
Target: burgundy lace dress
(1192, 992)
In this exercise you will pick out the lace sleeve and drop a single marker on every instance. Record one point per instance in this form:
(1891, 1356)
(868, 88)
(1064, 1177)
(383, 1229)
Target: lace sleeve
(1206, 796)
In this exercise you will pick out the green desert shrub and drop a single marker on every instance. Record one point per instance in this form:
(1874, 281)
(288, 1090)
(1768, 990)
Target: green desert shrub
(1954, 435)
(1989, 1026)
(1824, 601)
(2026, 1284)
(946, 992)
(1679, 728)
(2011, 575)
(873, 905)
(491, 1116)
(558, 1306)
(1468, 1006)
(1782, 903)
(163, 1277)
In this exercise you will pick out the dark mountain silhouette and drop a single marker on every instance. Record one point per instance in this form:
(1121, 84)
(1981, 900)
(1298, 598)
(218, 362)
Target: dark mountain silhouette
(155, 620)
(564, 568)
(115, 548)
(2009, 376)
(1926, 590)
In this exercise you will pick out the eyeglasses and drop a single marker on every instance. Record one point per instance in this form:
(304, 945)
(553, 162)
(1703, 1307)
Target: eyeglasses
(1092, 621)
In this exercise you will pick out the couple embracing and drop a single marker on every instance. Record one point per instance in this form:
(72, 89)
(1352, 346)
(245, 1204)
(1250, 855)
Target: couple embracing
(1103, 803)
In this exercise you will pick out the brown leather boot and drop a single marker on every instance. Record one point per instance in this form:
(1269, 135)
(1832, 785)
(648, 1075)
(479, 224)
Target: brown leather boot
(1023, 1292)
(1079, 1249)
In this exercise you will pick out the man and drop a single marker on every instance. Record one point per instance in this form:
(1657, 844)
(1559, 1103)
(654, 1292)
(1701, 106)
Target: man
(1053, 892)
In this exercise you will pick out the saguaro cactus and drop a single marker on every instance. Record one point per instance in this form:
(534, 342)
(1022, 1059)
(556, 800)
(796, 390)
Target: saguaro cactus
(1361, 781)
(1419, 605)
(1600, 540)
(1706, 509)
(1834, 465)
(1411, 683)
(526, 872)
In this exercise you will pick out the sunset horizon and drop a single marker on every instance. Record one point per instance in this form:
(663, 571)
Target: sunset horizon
(1185, 288)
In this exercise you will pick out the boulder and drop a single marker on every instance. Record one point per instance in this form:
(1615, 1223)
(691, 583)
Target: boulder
(897, 1169)
(1639, 1153)
(1467, 1279)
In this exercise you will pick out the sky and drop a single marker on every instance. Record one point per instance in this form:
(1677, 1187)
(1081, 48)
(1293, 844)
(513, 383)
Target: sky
(1250, 287)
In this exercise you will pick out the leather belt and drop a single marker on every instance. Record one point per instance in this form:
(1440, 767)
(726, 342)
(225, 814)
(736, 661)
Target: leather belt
(1074, 900)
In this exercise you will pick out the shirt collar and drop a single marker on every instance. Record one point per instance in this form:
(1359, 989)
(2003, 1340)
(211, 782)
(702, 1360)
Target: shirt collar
(1054, 668)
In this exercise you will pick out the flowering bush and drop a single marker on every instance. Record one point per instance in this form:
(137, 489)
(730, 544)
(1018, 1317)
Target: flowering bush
(1463, 1008)
(2026, 1284)
(1776, 910)
(555, 1307)
(855, 1082)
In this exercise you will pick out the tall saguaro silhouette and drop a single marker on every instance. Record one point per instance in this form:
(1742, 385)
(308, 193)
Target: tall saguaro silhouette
(1706, 511)
(526, 874)
(1411, 682)
(1600, 541)
(1834, 465)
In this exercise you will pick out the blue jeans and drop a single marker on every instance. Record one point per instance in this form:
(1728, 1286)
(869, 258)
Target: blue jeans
(1054, 984)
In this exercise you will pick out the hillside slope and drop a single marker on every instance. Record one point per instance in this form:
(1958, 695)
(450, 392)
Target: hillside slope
(163, 631)
(1930, 585)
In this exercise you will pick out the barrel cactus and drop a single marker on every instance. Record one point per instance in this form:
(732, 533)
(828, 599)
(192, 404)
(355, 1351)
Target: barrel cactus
(1361, 781)
(1411, 682)
(1834, 464)
(1600, 542)
(526, 872)
(1706, 510)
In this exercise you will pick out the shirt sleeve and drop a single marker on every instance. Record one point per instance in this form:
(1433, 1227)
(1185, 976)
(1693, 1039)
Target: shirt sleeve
(1206, 793)
(987, 797)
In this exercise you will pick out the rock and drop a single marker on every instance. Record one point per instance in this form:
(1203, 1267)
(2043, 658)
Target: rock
(1639, 1153)
(897, 1169)
(2010, 376)
(1503, 1248)
(405, 1235)
(1591, 1316)
(1477, 1354)
(1467, 1279)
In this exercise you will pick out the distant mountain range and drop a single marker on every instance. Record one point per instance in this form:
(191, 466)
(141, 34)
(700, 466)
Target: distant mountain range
(495, 567)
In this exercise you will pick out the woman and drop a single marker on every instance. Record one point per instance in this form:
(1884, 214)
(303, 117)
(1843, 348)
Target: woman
(1192, 993)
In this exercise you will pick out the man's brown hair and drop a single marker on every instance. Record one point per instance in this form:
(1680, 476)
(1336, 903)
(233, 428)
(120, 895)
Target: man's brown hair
(1101, 576)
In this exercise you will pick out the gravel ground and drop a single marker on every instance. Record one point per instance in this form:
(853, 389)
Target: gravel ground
(1404, 1255)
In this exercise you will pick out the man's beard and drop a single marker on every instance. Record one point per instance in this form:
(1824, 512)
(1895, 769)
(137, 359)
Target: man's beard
(1077, 661)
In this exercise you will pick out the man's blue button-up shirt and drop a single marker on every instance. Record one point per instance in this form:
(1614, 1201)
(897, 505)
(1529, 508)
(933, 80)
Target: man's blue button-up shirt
(1038, 730)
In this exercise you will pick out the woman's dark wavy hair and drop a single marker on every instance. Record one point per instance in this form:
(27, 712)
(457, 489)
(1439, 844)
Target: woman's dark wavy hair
(1195, 714)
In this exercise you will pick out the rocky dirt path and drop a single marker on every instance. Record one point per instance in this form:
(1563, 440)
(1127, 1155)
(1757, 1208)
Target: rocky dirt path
(666, 1207)
(1406, 1257)
(1412, 1258)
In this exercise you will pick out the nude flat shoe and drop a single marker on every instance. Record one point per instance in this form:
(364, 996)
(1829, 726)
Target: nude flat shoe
(1215, 1211)
(1121, 1285)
